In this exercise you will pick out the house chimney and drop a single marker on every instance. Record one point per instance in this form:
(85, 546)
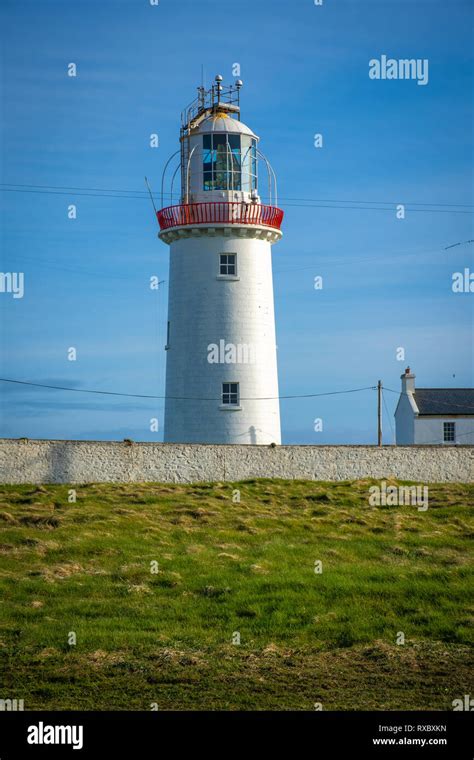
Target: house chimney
(408, 381)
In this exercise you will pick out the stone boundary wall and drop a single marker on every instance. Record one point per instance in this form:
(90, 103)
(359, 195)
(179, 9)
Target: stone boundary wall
(45, 461)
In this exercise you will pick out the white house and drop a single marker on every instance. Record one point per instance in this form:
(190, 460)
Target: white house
(434, 415)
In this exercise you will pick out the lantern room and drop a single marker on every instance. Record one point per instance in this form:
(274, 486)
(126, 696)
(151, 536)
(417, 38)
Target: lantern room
(224, 174)
(220, 157)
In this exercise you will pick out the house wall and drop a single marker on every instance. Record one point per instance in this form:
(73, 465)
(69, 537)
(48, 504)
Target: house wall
(23, 461)
(404, 422)
(429, 430)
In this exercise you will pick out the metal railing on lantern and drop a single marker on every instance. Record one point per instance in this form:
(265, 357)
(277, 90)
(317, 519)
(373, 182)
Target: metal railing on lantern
(220, 212)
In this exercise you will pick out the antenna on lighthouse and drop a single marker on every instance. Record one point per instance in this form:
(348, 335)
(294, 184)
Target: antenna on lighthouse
(218, 87)
(201, 89)
(238, 87)
(153, 202)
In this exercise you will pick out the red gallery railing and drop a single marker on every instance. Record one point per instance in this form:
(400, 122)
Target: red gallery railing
(219, 213)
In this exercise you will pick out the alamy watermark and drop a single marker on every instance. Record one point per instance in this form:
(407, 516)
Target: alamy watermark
(12, 282)
(46, 734)
(399, 496)
(12, 705)
(231, 353)
(463, 282)
(466, 703)
(402, 68)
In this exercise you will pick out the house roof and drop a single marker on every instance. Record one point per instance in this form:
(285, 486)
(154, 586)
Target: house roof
(445, 401)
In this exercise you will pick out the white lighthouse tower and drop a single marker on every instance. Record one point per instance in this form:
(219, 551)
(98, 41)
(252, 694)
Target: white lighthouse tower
(221, 368)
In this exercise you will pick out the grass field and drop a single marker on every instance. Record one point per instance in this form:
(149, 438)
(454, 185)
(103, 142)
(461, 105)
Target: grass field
(229, 569)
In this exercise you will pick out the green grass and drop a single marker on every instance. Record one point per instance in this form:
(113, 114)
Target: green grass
(227, 567)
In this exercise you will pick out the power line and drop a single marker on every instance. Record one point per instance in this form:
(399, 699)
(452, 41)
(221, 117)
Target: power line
(308, 203)
(66, 187)
(306, 200)
(86, 194)
(65, 266)
(392, 203)
(180, 398)
(197, 398)
(190, 398)
(454, 245)
(346, 262)
(374, 208)
(385, 257)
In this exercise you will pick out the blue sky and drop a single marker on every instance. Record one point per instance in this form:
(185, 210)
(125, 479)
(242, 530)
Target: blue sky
(387, 281)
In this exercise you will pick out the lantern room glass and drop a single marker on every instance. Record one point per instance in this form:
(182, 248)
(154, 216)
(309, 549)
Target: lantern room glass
(229, 162)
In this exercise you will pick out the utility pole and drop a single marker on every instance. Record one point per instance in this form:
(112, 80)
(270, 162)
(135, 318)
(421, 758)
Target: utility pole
(379, 413)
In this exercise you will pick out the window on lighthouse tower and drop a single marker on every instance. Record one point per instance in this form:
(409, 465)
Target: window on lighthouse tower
(227, 264)
(230, 394)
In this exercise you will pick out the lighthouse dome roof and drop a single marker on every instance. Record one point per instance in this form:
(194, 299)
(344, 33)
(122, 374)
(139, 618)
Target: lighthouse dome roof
(222, 122)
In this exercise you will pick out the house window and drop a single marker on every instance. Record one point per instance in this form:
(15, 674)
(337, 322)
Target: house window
(228, 264)
(230, 394)
(449, 432)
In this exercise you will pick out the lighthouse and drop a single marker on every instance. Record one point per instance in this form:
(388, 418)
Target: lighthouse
(221, 353)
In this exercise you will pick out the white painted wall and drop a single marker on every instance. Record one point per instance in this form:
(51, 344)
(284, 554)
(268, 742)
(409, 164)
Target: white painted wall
(404, 422)
(429, 430)
(412, 429)
(204, 309)
(119, 462)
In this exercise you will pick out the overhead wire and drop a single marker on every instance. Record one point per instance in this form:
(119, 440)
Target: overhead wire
(178, 398)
